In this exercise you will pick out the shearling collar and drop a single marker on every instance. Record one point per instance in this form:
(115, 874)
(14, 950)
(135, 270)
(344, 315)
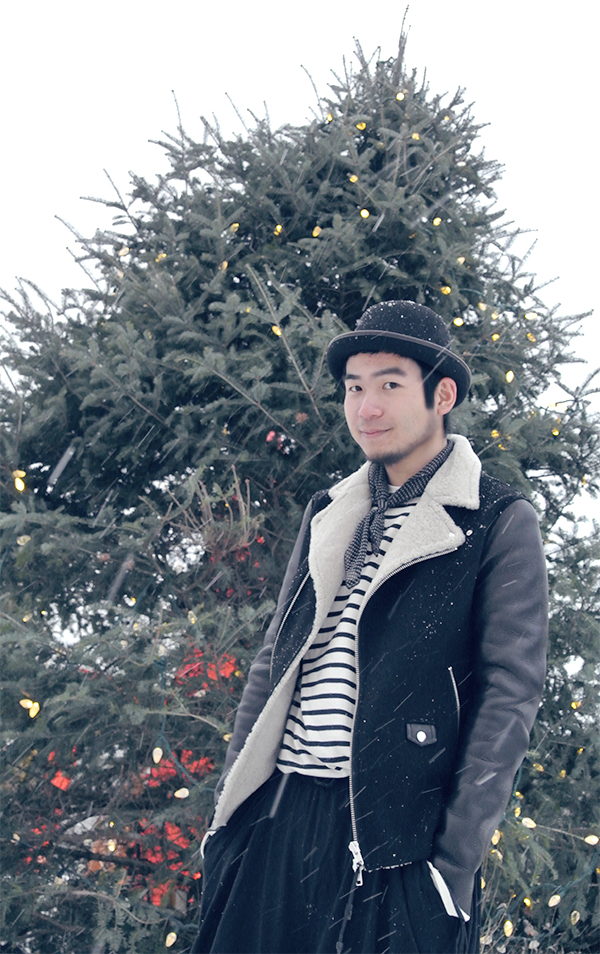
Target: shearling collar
(428, 531)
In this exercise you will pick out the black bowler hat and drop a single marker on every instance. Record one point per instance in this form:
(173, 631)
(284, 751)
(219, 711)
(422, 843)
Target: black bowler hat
(404, 328)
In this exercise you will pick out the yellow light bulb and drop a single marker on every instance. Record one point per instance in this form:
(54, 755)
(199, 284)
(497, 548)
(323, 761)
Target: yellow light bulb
(563, 773)
(400, 96)
(575, 916)
(437, 220)
(21, 541)
(555, 433)
(494, 316)
(123, 251)
(223, 266)
(278, 230)
(445, 289)
(531, 316)
(26, 703)
(458, 321)
(495, 337)
(353, 178)
(528, 823)
(482, 306)
(317, 231)
(554, 900)
(591, 839)
(527, 902)
(170, 939)
(574, 704)
(19, 484)
(234, 226)
(415, 136)
(111, 845)
(508, 928)
(361, 126)
(227, 737)
(517, 811)
(538, 767)
(495, 433)
(510, 376)
(157, 754)
(33, 710)
(531, 337)
(276, 330)
(496, 837)
(329, 118)
(461, 259)
(182, 793)
(364, 213)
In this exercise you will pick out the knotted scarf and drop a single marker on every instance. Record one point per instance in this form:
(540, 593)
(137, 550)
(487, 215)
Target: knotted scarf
(372, 526)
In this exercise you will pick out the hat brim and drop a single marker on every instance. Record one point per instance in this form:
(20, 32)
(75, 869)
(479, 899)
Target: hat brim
(438, 358)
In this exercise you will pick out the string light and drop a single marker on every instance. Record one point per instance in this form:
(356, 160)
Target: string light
(123, 251)
(223, 266)
(361, 126)
(19, 483)
(160, 256)
(575, 916)
(575, 704)
(353, 178)
(181, 793)
(278, 230)
(496, 337)
(556, 432)
(495, 433)
(517, 811)
(563, 773)
(531, 337)
(170, 939)
(111, 844)
(531, 316)
(554, 900)
(415, 136)
(458, 321)
(461, 259)
(538, 767)
(364, 213)
(527, 902)
(482, 306)
(496, 837)
(528, 823)
(445, 289)
(190, 615)
(317, 231)
(437, 220)
(276, 330)
(157, 754)
(21, 541)
(400, 96)
(510, 376)
(591, 839)
(234, 226)
(508, 928)
(33, 707)
(227, 737)
(494, 316)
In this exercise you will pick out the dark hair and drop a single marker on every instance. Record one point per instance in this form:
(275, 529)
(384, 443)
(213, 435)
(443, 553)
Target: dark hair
(431, 379)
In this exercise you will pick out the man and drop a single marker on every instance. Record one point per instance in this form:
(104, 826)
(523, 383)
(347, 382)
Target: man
(377, 740)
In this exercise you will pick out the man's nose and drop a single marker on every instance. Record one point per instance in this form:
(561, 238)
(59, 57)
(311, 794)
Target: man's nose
(369, 407)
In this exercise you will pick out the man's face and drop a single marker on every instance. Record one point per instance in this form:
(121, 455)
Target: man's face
(387, 416)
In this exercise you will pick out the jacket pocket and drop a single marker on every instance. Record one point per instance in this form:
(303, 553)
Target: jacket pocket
(420, 733)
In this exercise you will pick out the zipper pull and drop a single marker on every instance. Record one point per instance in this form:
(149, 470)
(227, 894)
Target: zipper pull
(358, 863)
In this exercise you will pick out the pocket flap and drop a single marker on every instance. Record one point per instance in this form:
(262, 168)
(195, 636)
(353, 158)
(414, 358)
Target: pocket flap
(420, 733)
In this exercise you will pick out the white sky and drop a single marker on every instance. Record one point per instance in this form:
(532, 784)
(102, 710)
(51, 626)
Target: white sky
(86, 85)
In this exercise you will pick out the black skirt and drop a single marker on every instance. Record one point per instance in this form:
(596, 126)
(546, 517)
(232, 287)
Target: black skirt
(278, 879)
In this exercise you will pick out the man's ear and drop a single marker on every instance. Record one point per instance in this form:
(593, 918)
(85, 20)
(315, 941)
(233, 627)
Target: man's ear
(445, 395)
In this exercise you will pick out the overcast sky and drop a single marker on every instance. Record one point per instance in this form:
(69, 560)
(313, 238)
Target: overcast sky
(86, 85)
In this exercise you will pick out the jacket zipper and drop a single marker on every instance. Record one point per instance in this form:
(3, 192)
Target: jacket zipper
(358, 864)
(456, 696)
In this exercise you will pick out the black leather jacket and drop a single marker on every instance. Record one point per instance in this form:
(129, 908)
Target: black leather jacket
(450, 662)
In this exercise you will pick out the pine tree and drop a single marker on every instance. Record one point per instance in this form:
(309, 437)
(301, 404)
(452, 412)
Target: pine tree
(162, 431)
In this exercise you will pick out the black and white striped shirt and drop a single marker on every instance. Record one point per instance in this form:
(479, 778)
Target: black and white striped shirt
(317, 735)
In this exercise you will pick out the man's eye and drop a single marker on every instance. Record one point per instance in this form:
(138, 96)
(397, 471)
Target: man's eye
(353, 387)
(390, 384)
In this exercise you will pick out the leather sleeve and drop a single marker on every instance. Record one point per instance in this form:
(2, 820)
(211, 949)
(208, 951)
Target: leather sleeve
(258, 686)
(511, 629)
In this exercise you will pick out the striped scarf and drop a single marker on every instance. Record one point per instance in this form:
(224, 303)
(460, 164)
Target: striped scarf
(372, 525)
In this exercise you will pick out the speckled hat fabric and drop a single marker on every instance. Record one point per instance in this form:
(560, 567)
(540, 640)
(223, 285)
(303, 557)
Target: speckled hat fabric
(405, 328)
